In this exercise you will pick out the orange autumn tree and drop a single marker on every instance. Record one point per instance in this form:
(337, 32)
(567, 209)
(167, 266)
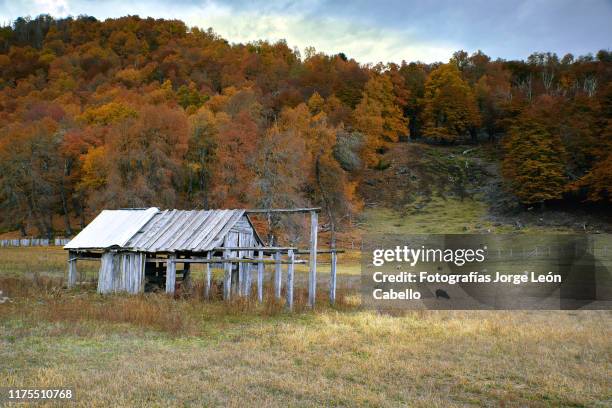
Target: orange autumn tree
(281, 167)
(533, 161)
(238, 122)
(30, 174)
(598, 179)
(327, 183)
(450, 109)
(379, 117)
(201, 156)
(142, 157)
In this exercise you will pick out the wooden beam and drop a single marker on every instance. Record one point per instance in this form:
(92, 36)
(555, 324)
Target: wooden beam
(248, 279)
(223, 260)
(85, 254)
(170, 274)
(207, 278)
(282, 210)
(321, 251)
(332, 279)
(278, 276)
(84, 258)
(267, 249)
(227, 281)
(312, 275)
(290, 281)
(241, 279)
(260, 276)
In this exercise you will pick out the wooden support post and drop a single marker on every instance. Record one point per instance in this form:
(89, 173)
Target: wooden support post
(290, 280)
(260, 276)
(72, 268)
(170, 274)
(332, 279)
(278, 275)
(227, 281)
(207, 278)
(241, 279)
(312, 275)
(248, 278)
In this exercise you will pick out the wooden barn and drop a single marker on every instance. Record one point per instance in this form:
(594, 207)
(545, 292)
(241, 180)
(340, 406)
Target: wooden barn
(139, 250)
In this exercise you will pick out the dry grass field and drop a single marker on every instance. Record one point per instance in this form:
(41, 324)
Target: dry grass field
(156, 351)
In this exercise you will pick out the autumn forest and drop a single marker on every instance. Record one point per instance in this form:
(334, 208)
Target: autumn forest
(135, 112)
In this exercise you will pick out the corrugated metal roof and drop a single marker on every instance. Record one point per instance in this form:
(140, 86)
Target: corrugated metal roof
(112, 228)
(183, 230)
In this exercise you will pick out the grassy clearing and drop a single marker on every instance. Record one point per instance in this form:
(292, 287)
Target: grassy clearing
(437, 216)
(155, 350)
(444, 216)
(47, 261)
(323, 358)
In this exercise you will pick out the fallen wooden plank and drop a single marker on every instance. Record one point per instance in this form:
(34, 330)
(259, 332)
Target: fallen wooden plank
(269, 249)
(223, 260)
(282, 210)
(321, 251)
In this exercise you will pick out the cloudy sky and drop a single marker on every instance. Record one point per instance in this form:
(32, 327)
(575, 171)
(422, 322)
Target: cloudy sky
(376, 30)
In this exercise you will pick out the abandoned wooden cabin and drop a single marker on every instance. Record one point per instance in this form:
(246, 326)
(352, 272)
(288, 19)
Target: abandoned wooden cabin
(139, 250)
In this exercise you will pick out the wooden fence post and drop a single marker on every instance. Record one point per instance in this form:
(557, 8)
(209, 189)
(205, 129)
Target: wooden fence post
(240, 284)
(227, 281)
(332, 278)
(72, 269)
(240, 277)
(312, 276)
(207, 278)
(171, 273)
(260, 276)
(290, 279)
(248, 279)
(278, 275)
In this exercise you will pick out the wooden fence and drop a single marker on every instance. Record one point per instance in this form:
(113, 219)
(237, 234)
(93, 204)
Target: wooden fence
(247, 265)
(28, 242)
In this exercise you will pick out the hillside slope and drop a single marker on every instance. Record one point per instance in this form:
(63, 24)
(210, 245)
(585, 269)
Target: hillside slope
(455, 189)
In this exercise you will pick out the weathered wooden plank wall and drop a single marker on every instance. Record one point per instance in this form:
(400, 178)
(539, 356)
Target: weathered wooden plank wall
(72, 269)
(106, 277)
(121, 272)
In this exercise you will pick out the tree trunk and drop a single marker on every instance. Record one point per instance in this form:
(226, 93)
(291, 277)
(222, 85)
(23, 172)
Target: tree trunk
(67, 227)
(330, 215)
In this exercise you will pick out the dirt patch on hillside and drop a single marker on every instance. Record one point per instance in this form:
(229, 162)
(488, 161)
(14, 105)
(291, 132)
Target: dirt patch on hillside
(417, 171)
(418, 174)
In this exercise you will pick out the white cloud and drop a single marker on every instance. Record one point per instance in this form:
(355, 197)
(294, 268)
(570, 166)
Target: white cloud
(367, 44)
(53, 7)
(370, 31)
(301, 25)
